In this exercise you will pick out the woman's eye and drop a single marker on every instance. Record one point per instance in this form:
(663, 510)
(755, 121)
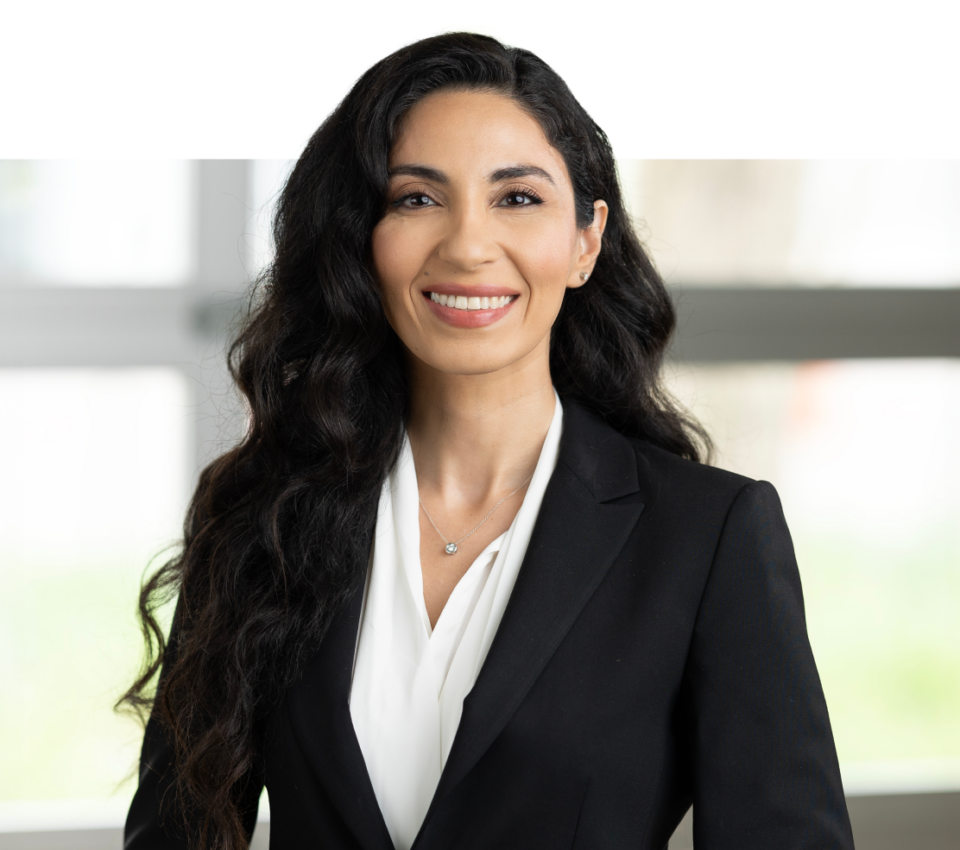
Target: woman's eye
(520, 199)
(415, 201)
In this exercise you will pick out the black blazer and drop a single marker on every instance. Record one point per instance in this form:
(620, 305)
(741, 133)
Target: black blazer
(653, 655)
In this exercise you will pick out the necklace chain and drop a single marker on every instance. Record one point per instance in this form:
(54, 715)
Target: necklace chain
(451, 546)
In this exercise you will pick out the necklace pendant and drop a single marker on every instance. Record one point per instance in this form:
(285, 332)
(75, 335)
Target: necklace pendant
(450, 548)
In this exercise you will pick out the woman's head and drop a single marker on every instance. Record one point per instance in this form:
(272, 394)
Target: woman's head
(467, 107)
(335, 220)
(278, 533)
(479, 239)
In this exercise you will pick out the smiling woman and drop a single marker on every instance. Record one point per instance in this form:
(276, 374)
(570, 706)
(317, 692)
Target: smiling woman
(465, 583)
(455, 204)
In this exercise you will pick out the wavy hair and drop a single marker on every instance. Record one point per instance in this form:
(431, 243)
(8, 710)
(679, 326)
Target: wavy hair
(277, 536)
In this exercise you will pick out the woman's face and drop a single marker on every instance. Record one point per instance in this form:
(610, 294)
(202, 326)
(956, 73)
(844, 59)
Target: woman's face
(481, 216)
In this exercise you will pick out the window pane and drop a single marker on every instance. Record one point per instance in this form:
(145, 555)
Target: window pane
(95, 475)
(863, 454)
(267, 177)
(818, 222)
(97, 223)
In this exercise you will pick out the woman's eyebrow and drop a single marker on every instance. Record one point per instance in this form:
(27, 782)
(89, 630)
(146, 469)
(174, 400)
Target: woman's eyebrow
(512, 172)
(515, 172)
(424, 172)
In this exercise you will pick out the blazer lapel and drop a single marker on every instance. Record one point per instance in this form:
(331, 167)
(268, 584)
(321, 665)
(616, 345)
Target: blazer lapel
(577, 537)
(319, 712)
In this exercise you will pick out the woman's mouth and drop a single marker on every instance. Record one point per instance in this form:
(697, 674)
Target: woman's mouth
(469, 311)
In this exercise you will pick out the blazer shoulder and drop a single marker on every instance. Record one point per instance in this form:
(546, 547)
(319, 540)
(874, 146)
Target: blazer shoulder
(669, 474)
(618, 467)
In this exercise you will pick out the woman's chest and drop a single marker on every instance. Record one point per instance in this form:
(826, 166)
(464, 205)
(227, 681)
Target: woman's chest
(442, 571)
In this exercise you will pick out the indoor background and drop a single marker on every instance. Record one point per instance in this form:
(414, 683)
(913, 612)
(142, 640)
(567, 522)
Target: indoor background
(818, 341)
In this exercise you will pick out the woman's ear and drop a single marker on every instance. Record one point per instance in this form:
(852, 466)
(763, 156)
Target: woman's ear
(591, 238)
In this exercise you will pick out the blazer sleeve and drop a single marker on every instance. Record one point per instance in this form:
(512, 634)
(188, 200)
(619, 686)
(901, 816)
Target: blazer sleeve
(765, 766)
(154, 822)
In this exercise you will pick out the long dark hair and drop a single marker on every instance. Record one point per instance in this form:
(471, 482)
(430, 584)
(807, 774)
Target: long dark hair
(278, 532)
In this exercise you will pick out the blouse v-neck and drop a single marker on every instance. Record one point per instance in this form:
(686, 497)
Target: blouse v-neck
(410, 680)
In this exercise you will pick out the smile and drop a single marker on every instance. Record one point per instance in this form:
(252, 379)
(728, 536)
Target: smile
(463, 302)
(469, 310)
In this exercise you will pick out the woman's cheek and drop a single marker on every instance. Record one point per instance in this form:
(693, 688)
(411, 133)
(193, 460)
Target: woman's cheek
(546, 262)
(389, 262)
(388, 253)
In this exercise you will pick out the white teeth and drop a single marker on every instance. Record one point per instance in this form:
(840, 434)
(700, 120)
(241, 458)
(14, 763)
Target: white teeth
(463, 302)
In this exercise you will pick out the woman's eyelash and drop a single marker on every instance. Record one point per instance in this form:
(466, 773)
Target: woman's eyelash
(520, 191)
(524, 192)
(398, 202)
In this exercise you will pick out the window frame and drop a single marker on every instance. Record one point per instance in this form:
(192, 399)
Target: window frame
(186, 327)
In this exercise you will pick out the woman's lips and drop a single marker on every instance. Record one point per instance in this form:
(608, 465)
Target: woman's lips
(475, 318)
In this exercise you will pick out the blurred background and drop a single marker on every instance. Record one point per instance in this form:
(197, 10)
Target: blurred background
(818, 341)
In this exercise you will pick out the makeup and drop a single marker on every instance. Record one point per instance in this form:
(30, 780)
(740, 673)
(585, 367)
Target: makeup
(464, 306)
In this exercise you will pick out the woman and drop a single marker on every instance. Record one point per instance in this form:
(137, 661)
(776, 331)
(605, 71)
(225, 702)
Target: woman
(464, 584)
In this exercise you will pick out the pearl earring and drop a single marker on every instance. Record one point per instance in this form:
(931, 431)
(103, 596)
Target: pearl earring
(584, 276)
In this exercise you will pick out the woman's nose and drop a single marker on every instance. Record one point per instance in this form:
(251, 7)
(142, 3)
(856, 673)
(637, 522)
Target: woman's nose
(469, 241)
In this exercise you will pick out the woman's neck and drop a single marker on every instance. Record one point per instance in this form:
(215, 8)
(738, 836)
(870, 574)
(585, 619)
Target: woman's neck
(477, 437)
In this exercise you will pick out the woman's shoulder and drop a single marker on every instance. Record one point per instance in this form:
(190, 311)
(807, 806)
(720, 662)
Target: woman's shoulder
(599, 452)
(667, 466)
(712, 528)
(696, 495)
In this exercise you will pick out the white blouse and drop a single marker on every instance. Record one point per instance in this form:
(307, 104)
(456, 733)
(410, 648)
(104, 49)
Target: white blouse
(409, 681)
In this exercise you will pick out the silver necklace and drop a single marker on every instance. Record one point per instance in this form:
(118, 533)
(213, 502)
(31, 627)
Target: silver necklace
(451, 547)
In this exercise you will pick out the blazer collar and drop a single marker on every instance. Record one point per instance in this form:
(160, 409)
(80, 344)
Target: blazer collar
(579, 532)
(591, 505)
(319, 711)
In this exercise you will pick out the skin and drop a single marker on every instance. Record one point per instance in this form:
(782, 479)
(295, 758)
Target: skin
(481, 397)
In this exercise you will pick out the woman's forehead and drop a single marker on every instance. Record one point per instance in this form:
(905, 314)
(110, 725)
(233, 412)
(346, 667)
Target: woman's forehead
(475, 132)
